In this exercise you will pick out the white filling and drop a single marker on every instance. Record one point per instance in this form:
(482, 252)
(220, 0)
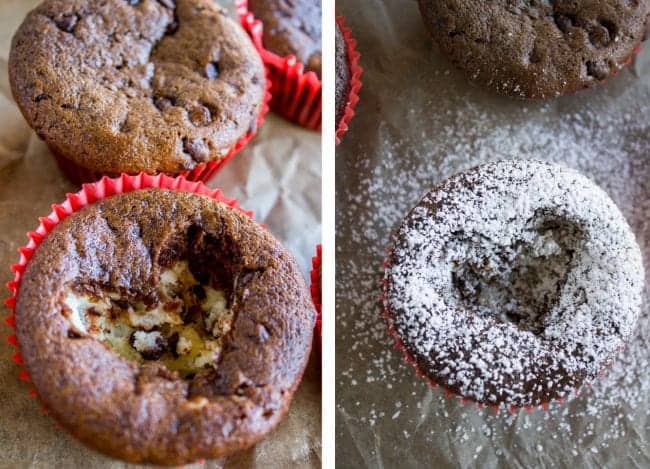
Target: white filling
(218, 318)
(130, 331)
(184, 346)
(143, 341)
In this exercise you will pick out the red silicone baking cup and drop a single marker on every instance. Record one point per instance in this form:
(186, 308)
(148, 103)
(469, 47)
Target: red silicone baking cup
(89, 194)
(316, 293)
(296, 94)
(204, 172)
(355, 79)
(410, 359)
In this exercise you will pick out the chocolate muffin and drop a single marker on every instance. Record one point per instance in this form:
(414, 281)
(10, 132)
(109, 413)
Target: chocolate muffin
(513, 283)
(342, 84)
(537, 49)
(291, 28)
(163, 326)
(128, 86)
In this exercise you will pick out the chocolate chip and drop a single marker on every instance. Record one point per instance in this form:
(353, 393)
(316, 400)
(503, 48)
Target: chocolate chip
(212, 70)
(202, 276)
(73, 334)
(155, 351)
(197, 149)
(41, 97)
(122, 304)
(564, 22)
(200, 115)
(172, 27)
(599, 35)
(598, 70)
(67, 22)
(198, 291)
(611, 28)
(172, 342)
(163, 102)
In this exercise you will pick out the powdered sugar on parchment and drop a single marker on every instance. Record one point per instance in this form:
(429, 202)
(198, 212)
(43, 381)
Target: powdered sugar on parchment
(381, 175)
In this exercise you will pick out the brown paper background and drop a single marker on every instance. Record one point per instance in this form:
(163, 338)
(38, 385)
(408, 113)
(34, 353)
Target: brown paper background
(418, 122)
(277, 176)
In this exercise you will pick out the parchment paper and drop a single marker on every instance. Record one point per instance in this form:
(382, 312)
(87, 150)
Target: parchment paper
(418, 122)
(277, 176)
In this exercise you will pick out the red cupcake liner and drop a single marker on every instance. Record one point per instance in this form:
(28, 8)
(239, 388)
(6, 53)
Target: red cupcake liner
(448, 393)
(296, 94)
(89, 194)
(316, 293)
(204, 172)
(355, 79)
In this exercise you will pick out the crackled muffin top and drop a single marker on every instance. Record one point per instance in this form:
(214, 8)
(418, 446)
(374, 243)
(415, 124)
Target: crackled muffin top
(514, 282)
(540, 48)
(292, 27)
(163, 326)
(139, 85)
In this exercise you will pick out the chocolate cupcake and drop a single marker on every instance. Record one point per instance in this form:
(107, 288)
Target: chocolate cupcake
(342, 84)
(163, 326)
(513, 283)
(129, 86)
(537, 50)
(291, 28)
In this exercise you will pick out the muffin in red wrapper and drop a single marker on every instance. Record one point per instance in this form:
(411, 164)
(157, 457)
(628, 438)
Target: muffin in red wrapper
(165, 87)
(348, 77)
(296, 87)
(316, 292)
(141, 313)
(515, 300)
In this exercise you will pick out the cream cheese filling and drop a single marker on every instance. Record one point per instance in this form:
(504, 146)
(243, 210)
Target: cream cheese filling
(184, 330)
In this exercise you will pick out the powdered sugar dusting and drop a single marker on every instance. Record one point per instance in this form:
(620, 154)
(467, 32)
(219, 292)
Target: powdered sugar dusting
(403, 144)
(513, 282)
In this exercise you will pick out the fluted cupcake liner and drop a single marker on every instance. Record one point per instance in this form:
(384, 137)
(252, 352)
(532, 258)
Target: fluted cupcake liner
(89, 194)
(296, 93)
(78, 174)
(355, 79)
